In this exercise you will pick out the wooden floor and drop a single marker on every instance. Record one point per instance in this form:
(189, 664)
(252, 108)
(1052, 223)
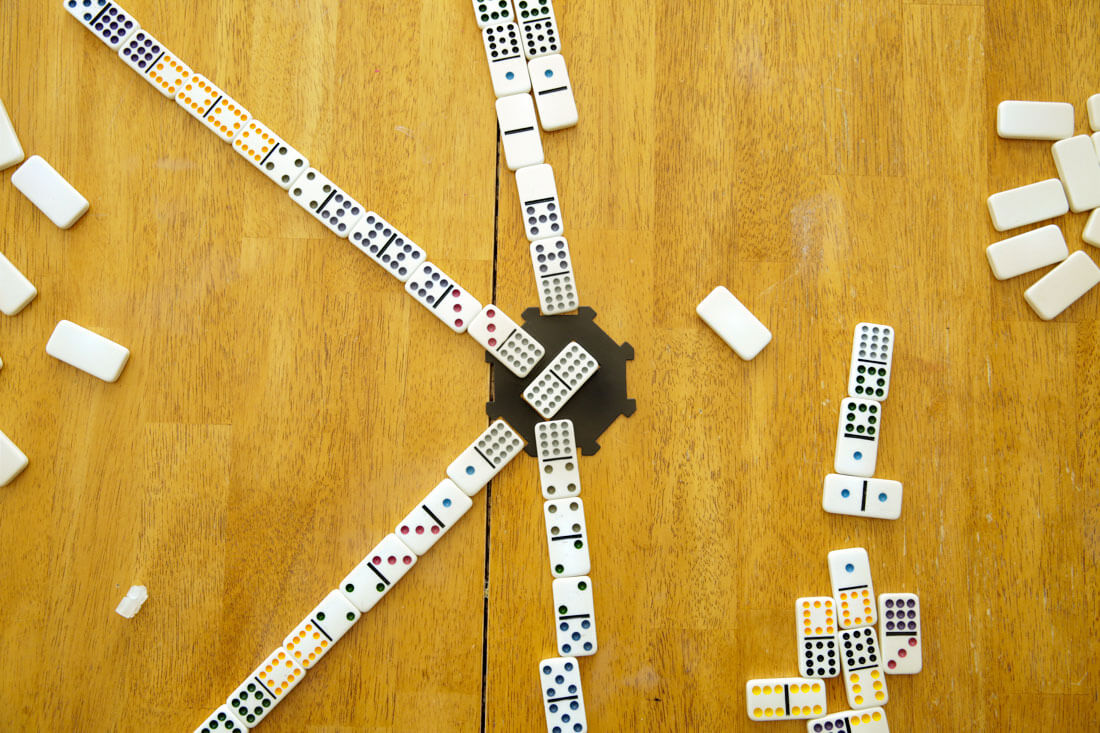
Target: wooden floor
(286, 403)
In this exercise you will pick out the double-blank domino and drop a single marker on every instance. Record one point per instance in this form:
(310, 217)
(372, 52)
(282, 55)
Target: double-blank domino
(50, 192)
(519, 131)
(899, 623)
(1027, 204)
(1079, 169)
(857, 437)
(511, 345)
(106, 20)
(560, 380)
(562, 696)
(507, 66)
(734, 323)
(816, 634)
(855, 496)
(567, 538)
(861, 664)
(785, 698)
(266, 687)
(382, 242)
(259, 145)
(12, 460)
(850, 575)
(434, 515)
(16, 291)
(485, 457)
(326, 202)
(538, 201)
(556, 447)
(379, 571)
(1062, 286)
(1026, 252)
(440, 294)
(87, 351)
(871, 720)
(324, 626)
(554, 278)
(11, 152)
(872, 361)
(575, 616)
(1019, 120)
(553, 92)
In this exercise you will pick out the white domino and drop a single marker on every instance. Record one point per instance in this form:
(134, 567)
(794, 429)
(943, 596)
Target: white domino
(1091, 234)
(440, 294)
(850, 575)
(324, 626)
(16, 291)
(555, 385)
(1026, 252)
(557, 285)
(106, 20)
(50, 192)
(1019, 120)
(539, 203)
(326, 202)
(877, 498)
(785, 698)
(154, 62)
(12, 460)
(516, 349)
(217, 111)
(539, 27)
(222, 720)
(1027, 204)
(1079, 168)
(553, 92)
(1093, 107)
(87, 351)
(434, 515)
(871, 720)
(266, 687)
(485, 457)
(519, 131)
(816, 633)
(872, 361)
(562, 696)
(382, 242)
(861, 667)
(379, 571)
(734, 323)
(557, 452)
(507, 66)
(857, 437)
(899, 628)
(270, 154)
(1063, 286)
(11, 152)
(567, 538)
(489, 12)
(575, 616)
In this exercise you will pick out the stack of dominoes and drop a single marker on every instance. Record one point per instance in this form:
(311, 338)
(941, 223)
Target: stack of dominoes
(1077, 188)
(852, 489)
(837, 634)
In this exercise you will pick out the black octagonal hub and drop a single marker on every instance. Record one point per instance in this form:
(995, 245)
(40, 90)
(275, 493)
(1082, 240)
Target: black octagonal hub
(598, 403)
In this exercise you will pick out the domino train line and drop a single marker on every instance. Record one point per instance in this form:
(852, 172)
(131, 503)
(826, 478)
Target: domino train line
(521, 48)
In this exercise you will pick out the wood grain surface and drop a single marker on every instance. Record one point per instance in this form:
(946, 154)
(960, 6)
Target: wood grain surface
(286, 403)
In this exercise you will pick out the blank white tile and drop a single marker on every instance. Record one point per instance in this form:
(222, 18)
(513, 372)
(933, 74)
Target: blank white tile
(11, 152)
(738, 327)
(50, 192)
(1026, 252)
(87, 351)
(12, 460)
(1019, 120)
(1092, 229)
(1062, 286)
(553, 92)
(1093, 106)
(16, 291)
(1028, 204)
(519, 131)
(1079, 168)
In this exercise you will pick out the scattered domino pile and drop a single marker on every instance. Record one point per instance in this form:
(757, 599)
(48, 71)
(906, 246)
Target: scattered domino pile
(836, 636)
(1077, 188)
(521, 46)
